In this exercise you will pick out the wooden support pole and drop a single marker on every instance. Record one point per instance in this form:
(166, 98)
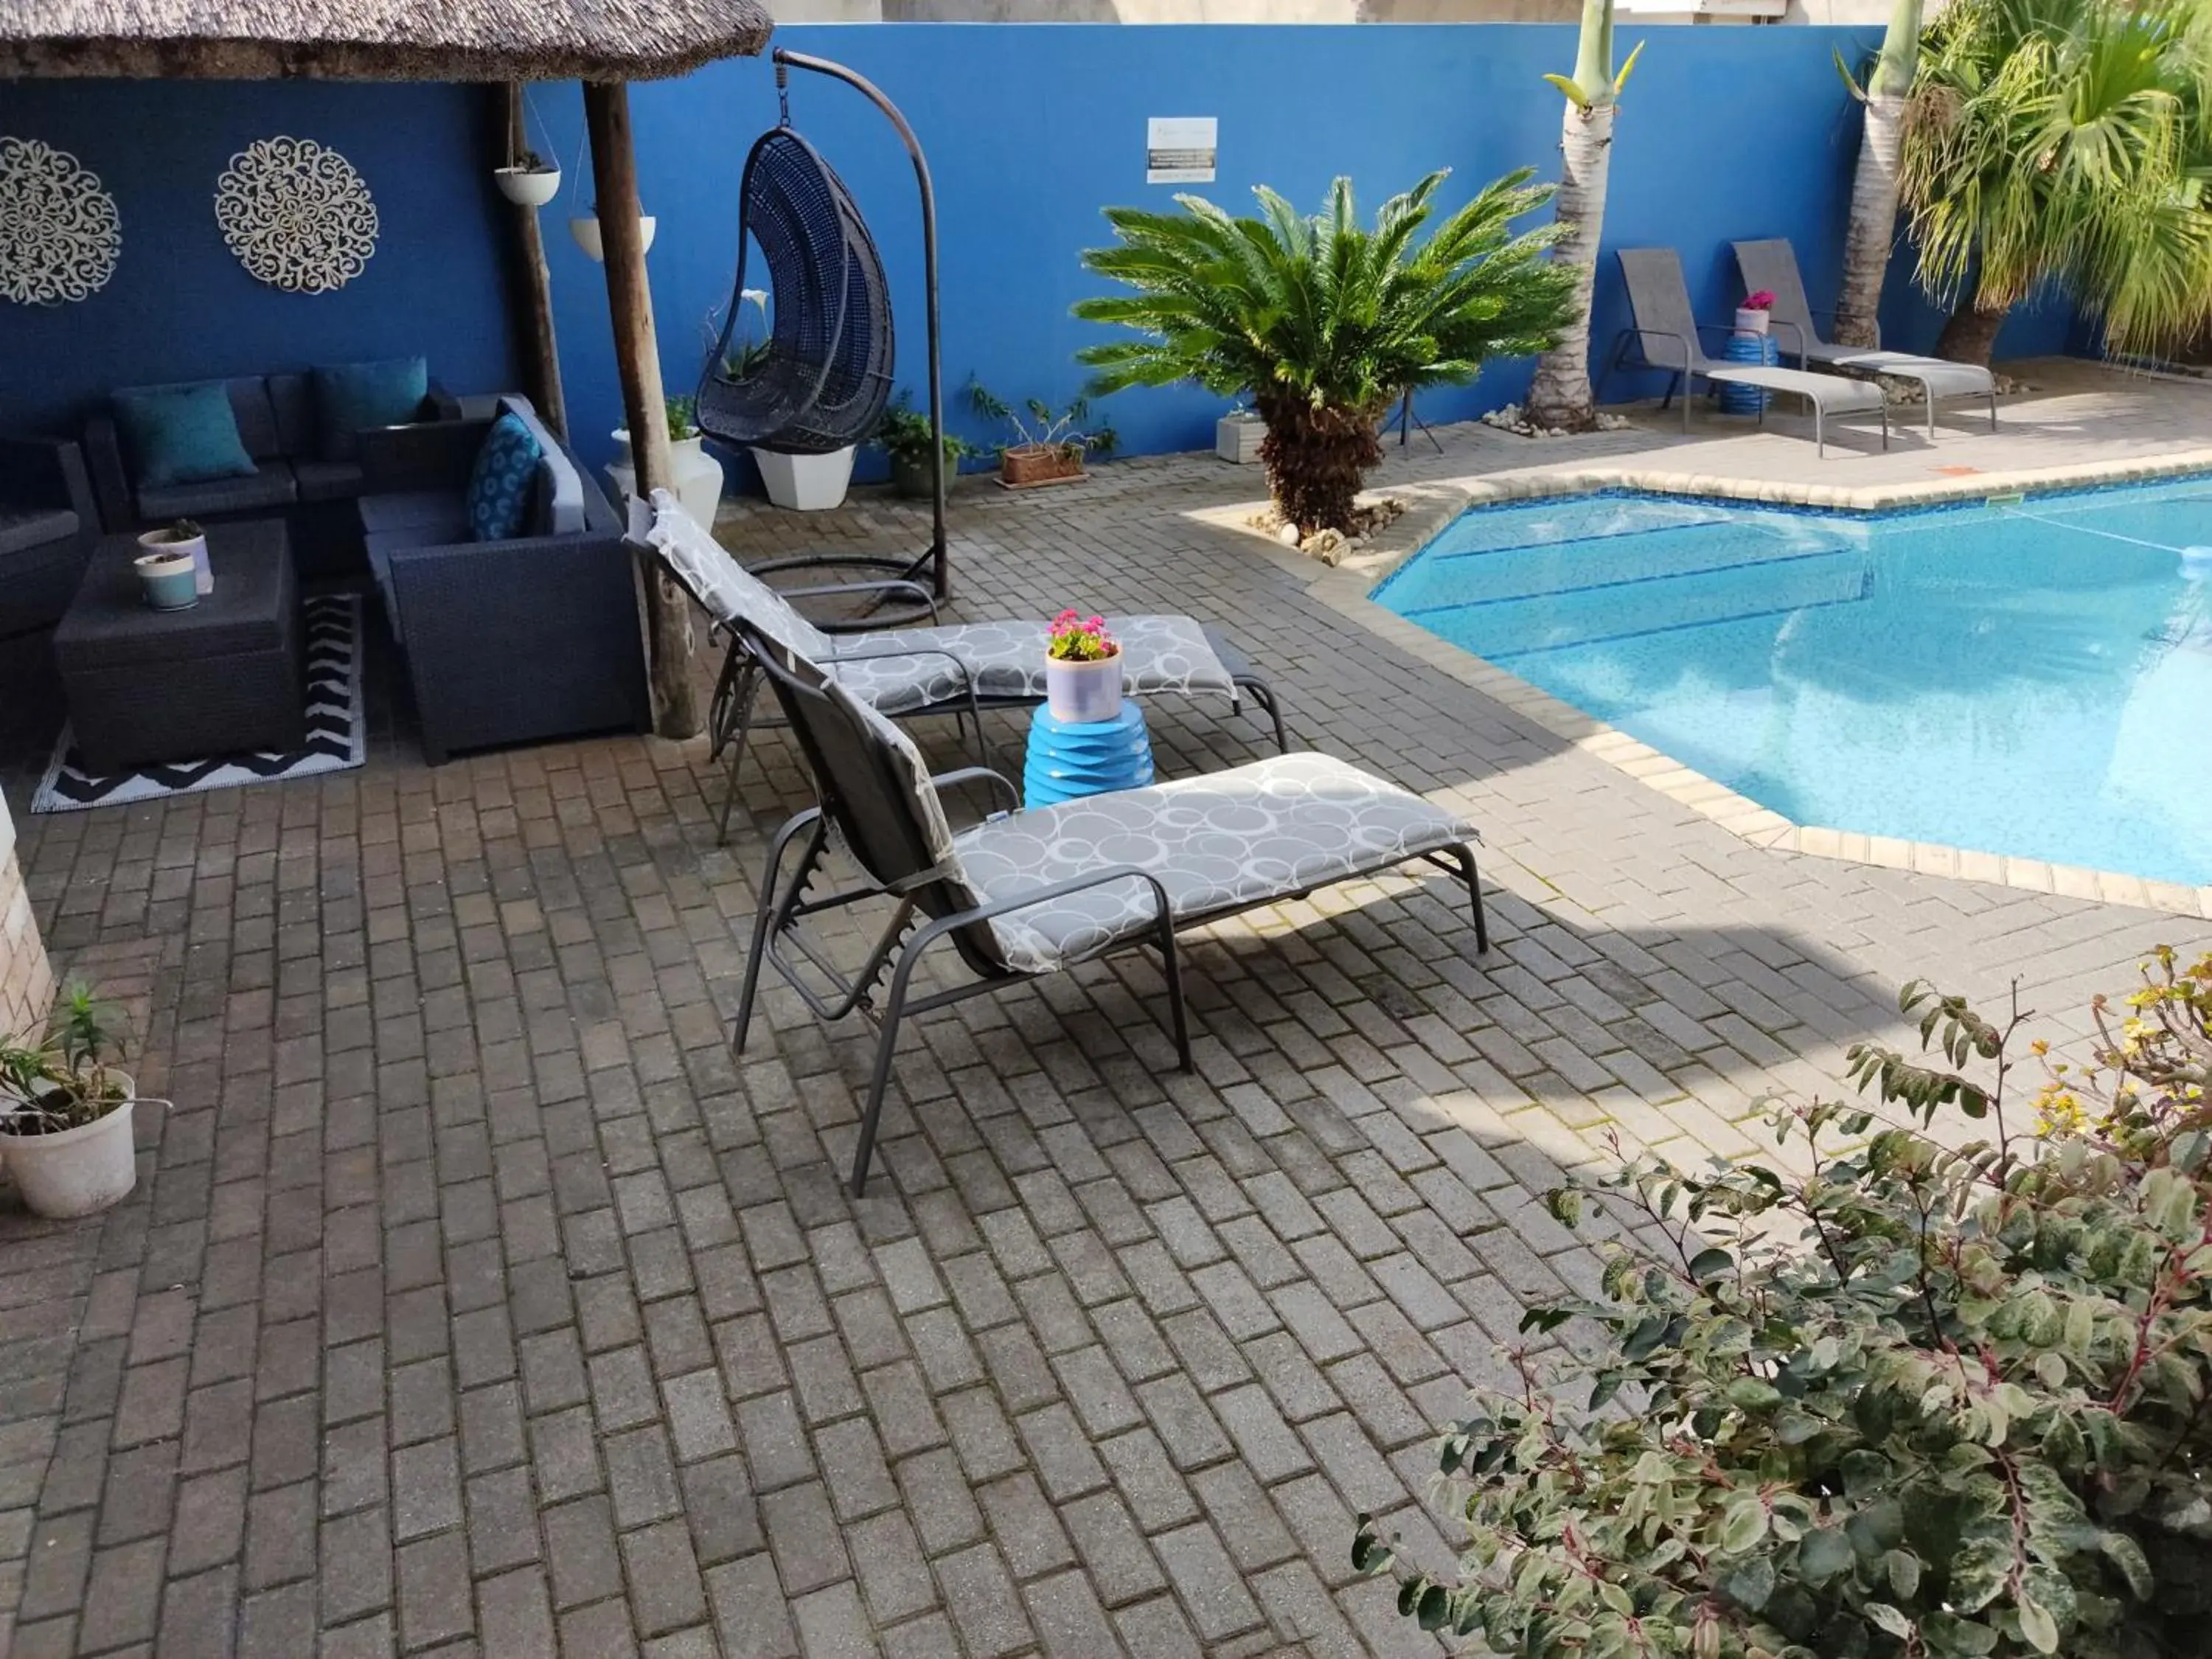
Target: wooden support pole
(637, 356)
(538, 313)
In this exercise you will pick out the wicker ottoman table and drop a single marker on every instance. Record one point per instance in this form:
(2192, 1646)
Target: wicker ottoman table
(223, 678)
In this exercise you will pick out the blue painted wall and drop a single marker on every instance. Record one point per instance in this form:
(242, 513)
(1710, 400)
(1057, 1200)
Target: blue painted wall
(179, 307)
(1030, 130)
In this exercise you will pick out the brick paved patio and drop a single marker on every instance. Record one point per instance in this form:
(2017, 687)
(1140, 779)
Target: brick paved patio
(474, 1300)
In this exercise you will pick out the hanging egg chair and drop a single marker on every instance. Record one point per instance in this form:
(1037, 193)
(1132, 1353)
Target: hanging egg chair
(820, 380)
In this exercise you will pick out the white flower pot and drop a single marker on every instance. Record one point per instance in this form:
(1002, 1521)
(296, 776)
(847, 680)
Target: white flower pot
(1750, 322)
(697, 479)
(154, 541)
(1237, 437)
(526, 189)
(1080, 693)
(80, 1171)
(805, 483)
(585, 228)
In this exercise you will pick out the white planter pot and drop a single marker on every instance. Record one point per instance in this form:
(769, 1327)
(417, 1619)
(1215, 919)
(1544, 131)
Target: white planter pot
(585, 228)
(697, 479)
(80, 1171)
(805, 483)
(527, 189)
(1080, 693)
(1237, 437)
(1750, 322)
(194, 549)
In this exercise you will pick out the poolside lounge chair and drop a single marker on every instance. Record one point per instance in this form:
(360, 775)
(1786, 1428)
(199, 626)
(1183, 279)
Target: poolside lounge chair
(959, 669)
(1024, 894)
(1772, 264)
(1665, 335)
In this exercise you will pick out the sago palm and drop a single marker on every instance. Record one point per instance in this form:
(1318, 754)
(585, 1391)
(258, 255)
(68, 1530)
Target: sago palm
(1322, 321)
(2060, 142)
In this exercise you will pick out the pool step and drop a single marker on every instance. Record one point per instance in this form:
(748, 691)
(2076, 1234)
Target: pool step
(1499, 628)
(1647, 555)
(1581, 518)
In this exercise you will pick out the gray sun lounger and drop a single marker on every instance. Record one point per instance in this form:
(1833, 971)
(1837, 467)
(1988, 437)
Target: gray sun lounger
(1665, 335)
(1772, 264)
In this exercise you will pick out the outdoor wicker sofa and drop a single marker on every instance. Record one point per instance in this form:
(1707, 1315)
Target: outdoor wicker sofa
(48, 523)
(1024, 894)
(506, 641)
(961, 669)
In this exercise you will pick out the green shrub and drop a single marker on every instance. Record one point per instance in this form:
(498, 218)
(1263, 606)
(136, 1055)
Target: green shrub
(1908, 1397)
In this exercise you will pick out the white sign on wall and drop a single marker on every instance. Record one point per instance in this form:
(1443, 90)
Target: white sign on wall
(1179, 149)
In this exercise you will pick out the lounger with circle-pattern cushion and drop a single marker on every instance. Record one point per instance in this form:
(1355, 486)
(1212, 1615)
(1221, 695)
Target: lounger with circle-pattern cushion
(1028, 893)
(1772, 265)
(956, 669)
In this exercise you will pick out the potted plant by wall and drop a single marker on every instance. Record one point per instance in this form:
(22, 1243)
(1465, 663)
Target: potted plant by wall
(1082, 669)
(1047, 447)
(1238, 434)
(695, 476)
(528, 181)
(801, 483)
(904, 436)
(1752, 316)
(175, 566)
(65, 1111)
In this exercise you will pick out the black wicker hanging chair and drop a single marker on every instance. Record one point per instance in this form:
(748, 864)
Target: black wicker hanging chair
(820, 378)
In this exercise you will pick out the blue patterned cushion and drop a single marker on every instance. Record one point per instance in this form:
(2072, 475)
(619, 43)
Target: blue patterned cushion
(182, 434)
(500, 486)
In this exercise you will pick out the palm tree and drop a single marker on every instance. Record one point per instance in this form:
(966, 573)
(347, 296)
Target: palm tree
(1560, 395)
(1873, 185)
(1323, 322)
(2061, 143)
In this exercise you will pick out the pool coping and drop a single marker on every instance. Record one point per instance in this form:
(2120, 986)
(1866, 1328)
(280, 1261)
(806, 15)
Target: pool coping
(1345, 588)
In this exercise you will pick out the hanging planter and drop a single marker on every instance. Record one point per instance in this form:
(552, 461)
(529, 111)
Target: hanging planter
(585, 228)
(530, 182)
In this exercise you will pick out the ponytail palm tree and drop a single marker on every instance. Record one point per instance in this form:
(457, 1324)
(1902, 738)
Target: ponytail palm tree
(2063, 142)
(1323, 322)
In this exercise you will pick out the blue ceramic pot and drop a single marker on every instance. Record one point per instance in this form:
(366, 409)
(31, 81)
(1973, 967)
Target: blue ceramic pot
(172, 582)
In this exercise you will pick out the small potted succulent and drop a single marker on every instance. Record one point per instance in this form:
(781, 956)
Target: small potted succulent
(1082, 669)
(1751, 317)
(904, 436)
(528, 181)
(174, 566)
(65, 1111)
(1049, 447)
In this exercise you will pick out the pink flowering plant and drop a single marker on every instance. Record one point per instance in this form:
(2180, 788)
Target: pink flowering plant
(1762, 301)
(1074, 637)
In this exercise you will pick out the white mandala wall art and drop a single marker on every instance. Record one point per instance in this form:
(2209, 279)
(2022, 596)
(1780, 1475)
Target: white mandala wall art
(59, 233)
(296, 214)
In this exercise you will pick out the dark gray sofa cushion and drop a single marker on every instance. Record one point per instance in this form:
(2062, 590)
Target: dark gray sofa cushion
(327, 481)
(23, 528)
(271, 486)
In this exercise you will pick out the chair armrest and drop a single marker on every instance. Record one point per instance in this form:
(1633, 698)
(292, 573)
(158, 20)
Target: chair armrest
(1681, 341)
(428, 455)
(441, 403)
(111, 484)
(1784, 322)
(967, 775)
(49, 472)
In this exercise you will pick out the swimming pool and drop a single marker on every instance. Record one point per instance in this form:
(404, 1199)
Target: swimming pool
(2032, 678)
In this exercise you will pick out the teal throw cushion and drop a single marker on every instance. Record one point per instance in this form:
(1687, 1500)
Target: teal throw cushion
(350, 396)
(500, 486)
(177, 435)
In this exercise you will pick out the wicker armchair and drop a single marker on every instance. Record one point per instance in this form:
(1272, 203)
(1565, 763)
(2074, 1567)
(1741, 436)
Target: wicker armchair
(48, 522)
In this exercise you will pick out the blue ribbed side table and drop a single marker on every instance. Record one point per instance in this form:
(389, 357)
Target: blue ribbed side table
(1759, 349)
(1067, 760)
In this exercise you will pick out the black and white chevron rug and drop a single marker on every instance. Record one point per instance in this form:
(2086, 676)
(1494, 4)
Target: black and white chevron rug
(337, 739)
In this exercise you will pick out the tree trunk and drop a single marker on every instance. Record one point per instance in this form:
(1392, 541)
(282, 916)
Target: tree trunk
(637, 360)
(1971, 333)
(1315, 459)
(544, 351)
(1874, 222)
(1560, 395)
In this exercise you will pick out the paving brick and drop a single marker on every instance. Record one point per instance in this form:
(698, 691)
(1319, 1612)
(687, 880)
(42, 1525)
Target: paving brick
(982, 1602)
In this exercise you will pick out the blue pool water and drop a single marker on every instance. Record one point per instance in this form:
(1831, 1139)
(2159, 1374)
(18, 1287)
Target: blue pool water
(2029, 679)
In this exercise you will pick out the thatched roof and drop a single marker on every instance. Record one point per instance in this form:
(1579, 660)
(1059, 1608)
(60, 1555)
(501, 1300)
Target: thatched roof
(375, 40)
